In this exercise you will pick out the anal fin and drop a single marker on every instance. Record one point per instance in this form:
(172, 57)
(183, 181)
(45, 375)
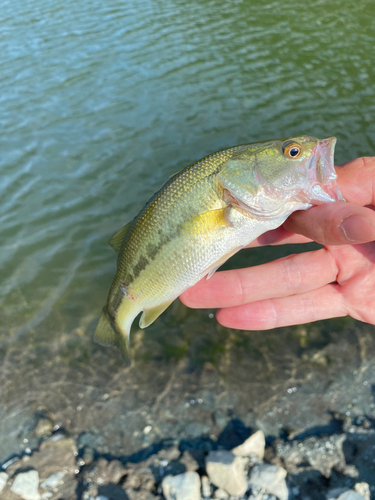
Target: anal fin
(150, 315)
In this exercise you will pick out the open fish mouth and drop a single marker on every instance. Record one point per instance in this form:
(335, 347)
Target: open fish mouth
(322, 175)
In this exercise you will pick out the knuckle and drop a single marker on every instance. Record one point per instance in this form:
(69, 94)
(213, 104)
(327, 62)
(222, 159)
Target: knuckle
(292, 273)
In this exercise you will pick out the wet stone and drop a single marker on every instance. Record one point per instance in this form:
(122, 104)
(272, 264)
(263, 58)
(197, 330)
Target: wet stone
(26, 484)
(271, 478)
(182, 487)
(226, 471)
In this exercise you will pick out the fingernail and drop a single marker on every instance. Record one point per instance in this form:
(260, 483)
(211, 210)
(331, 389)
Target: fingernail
(358, 228)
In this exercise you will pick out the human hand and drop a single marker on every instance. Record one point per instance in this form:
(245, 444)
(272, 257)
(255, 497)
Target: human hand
(337, 280)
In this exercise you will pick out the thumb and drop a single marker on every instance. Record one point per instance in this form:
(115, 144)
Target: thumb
(334, 224)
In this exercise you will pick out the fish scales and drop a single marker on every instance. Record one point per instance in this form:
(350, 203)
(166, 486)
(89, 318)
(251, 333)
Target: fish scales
(158, 224)
(202, 216)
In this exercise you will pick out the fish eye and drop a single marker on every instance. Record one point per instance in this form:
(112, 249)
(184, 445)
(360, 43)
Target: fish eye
(292, 149)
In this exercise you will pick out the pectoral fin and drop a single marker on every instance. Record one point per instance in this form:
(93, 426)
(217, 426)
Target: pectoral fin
(211, 270)
(116, 240)
(150, 315)
(212, 219)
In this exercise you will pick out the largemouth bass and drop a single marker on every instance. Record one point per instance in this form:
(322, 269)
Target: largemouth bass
(205, 214)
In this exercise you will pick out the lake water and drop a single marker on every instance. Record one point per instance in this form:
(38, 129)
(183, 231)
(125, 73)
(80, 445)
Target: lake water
(100, 102)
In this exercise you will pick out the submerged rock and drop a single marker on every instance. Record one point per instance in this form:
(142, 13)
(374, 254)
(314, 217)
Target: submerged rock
(226, 471)
(43, 427)
(321, 454)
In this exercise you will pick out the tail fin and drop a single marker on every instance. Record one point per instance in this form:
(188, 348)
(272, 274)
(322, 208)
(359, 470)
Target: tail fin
(106, 335)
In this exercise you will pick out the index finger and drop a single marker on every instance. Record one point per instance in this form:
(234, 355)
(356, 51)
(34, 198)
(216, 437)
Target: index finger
(290, 275)
(356, 180)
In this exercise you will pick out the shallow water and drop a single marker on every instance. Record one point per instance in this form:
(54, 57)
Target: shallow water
(100, 104)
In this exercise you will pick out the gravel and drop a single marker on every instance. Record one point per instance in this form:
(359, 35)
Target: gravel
(336, 467)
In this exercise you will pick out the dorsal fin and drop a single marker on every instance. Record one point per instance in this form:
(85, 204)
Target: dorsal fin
(117, 238)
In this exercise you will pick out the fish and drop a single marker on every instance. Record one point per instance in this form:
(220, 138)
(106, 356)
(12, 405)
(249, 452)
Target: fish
(202, 216)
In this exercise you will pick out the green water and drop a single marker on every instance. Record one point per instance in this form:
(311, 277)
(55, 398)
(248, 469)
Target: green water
(100, 102)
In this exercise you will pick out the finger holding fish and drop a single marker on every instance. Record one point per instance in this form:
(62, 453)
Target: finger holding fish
(291, 275)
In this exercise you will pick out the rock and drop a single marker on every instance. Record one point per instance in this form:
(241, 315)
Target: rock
(335, 493)
(43, 427)
(101, 473)
(221, 494)
(189, 461)
(53, 457)
(171, 453)
(26, 485)
(254, 445)
(321, 454)
(139, 495)
(3, 480)
(206, 487)
(350, 495)
(196, 429)
(271, 478)
(226, 471)
(363, 489)
(219, 418)
(185, 486)
(53, 480)
(88, 455)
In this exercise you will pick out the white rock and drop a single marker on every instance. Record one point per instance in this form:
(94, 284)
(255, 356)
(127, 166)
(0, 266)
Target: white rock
(185, 486)
(221, 494)
(333, 494)
(26, 485)
(350, 495)
(3, 480)
(363, 489)
(226, 471)
(254, 445)
(271, 478)
(206, 486)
